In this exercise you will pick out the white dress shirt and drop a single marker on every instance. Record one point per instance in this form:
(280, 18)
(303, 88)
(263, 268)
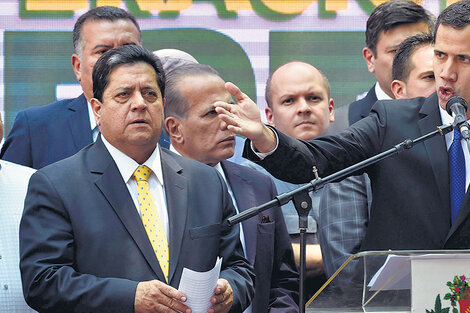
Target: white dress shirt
(127, 166)
(380, 93)
(94, 128)
(14, 180)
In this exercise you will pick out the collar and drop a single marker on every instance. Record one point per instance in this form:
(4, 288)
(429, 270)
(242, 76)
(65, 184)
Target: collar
(381, 95)
(447, 119)
(218, 166)
(127, 165)
(91, 116)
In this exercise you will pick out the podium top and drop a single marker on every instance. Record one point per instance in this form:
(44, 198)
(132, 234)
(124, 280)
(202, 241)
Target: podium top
(349, 288)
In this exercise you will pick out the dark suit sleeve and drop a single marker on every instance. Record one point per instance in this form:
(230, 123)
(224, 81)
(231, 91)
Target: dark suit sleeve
(17, 146)
(284, 294)
(47, 251)
(294, 159)
(235, 268)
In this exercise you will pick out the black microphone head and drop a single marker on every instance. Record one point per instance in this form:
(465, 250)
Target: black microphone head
(454, 100)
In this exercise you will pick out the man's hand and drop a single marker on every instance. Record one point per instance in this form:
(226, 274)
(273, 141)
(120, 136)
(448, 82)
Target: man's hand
(244, 119)
(155, 296)
(223, 299)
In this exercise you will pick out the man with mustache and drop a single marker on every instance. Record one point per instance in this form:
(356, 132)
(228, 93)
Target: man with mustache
(197, 133)
(111, 228)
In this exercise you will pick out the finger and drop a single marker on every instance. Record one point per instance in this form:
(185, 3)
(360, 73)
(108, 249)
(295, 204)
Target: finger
(235, 91)
(170, 292)
(221, 287)
(222, 107)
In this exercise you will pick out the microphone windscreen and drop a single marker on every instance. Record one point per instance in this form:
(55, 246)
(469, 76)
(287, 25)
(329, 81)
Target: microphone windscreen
(453, 100)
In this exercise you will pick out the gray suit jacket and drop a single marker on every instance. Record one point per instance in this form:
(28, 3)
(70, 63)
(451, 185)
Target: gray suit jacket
(83, 246)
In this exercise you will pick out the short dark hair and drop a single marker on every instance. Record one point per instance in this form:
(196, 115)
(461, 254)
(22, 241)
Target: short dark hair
(402, 61)
(268, 89)
(391, 14)
(456, 15)
(175, 103)
(108, 13)
(126, 54)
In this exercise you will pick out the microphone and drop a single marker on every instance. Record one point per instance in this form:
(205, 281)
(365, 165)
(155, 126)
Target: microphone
(458, 106)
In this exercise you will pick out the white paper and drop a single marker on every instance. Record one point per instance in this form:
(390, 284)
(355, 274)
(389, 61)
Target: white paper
(395, 274)
(199, 287)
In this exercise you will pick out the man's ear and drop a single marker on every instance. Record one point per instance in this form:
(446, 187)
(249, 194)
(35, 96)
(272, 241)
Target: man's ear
(269, 116)
(369, 58)
(174, 129)
(76, 64)
(331, 108)
(399, 89)
(96, 106)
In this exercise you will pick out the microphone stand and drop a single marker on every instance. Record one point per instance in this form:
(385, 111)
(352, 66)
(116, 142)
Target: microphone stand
(303, 202)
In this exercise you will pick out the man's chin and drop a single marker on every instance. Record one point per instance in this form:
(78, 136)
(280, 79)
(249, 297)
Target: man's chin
(306, 134)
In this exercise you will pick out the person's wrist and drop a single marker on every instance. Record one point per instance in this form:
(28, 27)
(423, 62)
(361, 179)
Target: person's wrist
(266, 141)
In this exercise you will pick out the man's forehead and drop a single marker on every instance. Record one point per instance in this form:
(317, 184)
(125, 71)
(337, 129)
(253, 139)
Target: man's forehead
(131, 72)
(103, 29)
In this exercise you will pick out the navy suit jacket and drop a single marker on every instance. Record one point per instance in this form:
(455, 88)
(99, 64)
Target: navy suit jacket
(267, 243)
(411, 198)
(46, 134)
(83, 246)
(361, 108)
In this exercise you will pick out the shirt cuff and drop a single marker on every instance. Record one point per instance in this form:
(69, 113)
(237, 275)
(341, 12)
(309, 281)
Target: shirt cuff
(261, 155)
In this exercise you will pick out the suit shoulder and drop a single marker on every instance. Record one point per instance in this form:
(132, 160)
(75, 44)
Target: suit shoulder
(48, 111)
(248, 171)
(187, 165)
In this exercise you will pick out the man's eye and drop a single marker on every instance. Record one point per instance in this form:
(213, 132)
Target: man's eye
(288, 101)
(150, 95)
(314, 98)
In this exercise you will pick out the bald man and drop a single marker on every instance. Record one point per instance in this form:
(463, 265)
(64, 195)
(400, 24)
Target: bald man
(299, 105)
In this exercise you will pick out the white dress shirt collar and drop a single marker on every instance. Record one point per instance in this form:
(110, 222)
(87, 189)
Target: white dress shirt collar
(381, 95)
(127, 165)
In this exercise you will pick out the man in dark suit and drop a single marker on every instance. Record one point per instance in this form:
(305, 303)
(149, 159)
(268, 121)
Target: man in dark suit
(197, 133)
(388, 25)
(83, 245)
(46, 134)
(413, 205)
(345, 206)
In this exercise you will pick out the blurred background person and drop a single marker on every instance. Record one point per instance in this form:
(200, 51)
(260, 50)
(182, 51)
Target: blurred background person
(388, 25)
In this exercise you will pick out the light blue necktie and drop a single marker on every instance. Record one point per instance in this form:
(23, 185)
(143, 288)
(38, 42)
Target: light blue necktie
(457, 174)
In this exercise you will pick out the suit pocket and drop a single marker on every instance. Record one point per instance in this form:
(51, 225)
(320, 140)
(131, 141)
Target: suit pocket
(205, 231)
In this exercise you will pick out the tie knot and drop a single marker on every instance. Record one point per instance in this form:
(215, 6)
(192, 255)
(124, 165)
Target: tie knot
(141, 173)
(457, 135)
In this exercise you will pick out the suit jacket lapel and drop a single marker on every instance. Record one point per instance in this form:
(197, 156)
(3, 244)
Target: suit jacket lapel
(436, 148)
(109, 182)
(245, 199)
(176, 190)
(463, 214)
(79, 122)
(371, 99)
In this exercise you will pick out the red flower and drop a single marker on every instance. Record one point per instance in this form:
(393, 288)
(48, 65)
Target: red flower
(457, 289)
(463, 277)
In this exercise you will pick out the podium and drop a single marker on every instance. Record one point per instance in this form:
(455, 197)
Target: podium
(398, 282)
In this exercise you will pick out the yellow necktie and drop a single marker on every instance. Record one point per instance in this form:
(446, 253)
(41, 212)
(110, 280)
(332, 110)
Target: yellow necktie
(151, 219)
